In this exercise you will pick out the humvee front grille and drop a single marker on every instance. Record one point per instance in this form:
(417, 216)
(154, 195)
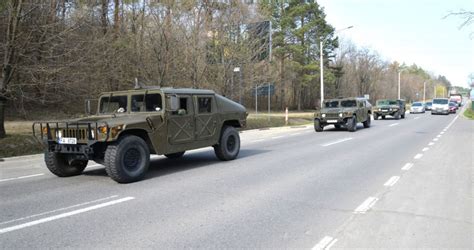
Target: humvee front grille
(332, 115)
(84, 132)
(80, 134)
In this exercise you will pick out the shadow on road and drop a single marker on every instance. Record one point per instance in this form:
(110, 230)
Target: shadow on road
(163, 166)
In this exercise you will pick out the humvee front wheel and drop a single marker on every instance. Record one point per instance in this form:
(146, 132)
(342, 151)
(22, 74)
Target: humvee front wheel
(229, 144)
(397, 116)
(127, 160)
(376, 117)
(60, 166)
(317, 125)
(174, 155)
(352, 124)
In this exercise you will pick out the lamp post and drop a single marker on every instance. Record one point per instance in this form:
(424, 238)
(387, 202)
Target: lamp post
(321, 63)
(399, 73)
(424, 92)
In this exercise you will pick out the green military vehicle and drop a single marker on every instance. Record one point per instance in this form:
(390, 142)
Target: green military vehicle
(395, 108)
(131, 125)
(344, 112)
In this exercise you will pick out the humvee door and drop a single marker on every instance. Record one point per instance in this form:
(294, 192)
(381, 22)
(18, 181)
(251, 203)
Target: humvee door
(181, 122)
(206, 117)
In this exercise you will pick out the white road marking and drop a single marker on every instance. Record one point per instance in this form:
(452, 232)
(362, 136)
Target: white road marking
(325, 243)
(257, 140)
(439, 136)
(425, 149)
(417, 118)
(391, 181)
(418, 156)
(407, 166)
(297, 134)
(442, 132)
(63, 215)
(394, 124)
(21, 177)
(431, 144)
(338, 141)
(435, 139)
(366, 205)
(59, 209)
(276, 137)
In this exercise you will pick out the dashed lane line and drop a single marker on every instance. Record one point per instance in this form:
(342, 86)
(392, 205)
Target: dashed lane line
(336, 142)
(21, 177)
(407, 166)
(366, 205)
(391, 182)
(325, 243)
(418, 156)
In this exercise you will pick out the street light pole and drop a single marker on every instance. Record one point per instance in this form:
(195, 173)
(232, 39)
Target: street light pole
(424, 92)
(321, 63)
(399, 72)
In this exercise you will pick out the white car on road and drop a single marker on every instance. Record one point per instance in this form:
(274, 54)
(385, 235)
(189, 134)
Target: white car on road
(440, 105)
(417, 107)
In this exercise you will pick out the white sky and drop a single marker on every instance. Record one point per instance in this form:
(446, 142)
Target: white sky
(410, 31)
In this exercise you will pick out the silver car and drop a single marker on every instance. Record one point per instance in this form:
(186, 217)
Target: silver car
(417, 107)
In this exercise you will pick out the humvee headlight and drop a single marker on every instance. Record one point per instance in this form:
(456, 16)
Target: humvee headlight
(340, 114)
(59, 134)
(323, 115)
(103, 129)
(116, 129)
(45, 131)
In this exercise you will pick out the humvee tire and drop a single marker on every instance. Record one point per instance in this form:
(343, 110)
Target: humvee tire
(367, 122)
(174, 155)
(317, 125)
(397, 116)
(229, 144)
(352, 124)
(59, 165)
(403, 116)
(337, 126)
(376, 117)
(383, 117)
(127, 160)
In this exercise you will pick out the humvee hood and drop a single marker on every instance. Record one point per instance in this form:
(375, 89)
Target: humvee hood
(116, 119)
(387, 106)
(337, 110)
(227, 105)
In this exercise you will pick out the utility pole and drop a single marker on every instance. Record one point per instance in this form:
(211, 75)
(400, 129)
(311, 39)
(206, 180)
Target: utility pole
(424, 92)
(399, 72)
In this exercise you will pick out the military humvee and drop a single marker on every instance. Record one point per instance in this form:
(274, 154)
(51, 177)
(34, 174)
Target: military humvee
(131, 125)
(395, 108)
(344, 112)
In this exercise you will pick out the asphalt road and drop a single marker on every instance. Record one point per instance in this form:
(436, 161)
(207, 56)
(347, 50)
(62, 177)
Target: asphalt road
(401, 183)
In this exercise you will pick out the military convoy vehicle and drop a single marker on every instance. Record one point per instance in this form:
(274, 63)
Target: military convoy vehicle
(131, 125)
(344, 112)
(394, 108)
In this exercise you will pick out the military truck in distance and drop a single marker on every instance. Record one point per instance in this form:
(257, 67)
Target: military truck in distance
(344, 112)
(131, 125)
(394, 108)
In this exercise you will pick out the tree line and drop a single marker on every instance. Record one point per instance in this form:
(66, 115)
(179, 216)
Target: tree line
(57, 53)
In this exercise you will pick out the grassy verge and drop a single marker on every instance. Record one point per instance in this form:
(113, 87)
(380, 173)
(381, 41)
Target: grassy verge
(278, 120)
(18, 144)
(469, 113)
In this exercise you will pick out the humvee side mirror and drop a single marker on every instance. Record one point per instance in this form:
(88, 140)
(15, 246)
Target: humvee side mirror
(174, 102)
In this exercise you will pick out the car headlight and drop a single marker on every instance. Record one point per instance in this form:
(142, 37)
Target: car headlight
(340, 114)
(323, 115)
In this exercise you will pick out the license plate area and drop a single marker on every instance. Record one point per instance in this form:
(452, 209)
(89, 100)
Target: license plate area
(67, 140)
(331, 121)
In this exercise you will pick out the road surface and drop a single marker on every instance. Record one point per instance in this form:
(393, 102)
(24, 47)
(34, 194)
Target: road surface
(401, 183)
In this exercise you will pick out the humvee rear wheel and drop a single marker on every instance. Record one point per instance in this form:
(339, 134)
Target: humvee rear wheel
(229, 144)
(317, 125)
(127, 160)
(59, 165)
(352, 124)
(367, 122)
(397, 116)
(403, 116)
(174, 155)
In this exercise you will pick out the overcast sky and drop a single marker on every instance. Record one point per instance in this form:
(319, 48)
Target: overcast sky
(410, 31)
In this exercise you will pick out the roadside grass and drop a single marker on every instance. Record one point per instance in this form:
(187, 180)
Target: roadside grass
(469, 113)
(20, 140)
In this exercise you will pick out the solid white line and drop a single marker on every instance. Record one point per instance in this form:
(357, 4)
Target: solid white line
(407, 166)
(391, 181)
(418, 156)
(425, 149)
(21, 177)
(394, 124)
(63, 215)
(417, 118)
(366, 205)
(60, 209)
(297, 134)
(276, 137)
(431, 144)
(257, 140)
(325, 243)
(335, 142)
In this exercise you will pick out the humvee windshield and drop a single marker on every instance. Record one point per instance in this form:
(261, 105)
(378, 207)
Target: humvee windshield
(113, 104)
(386, 102)
(348, 103)
(332, 104)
